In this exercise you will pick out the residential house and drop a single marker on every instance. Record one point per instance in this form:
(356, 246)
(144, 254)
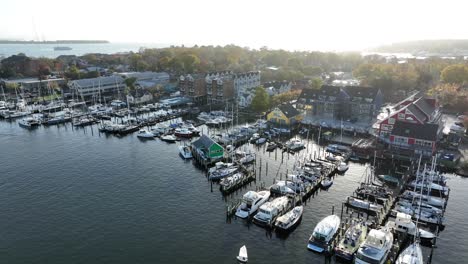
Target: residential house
(275, 88)
(207, 149)
(413, 139)
(97, 86)
(346, 103)
(244, 86)
(139, 96)
(285, 115)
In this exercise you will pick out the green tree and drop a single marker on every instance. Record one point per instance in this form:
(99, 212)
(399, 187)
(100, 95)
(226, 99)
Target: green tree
(130, 83)
(454, 74)
(315, 83)
(261, 100)
(190, 62)
(73, 73)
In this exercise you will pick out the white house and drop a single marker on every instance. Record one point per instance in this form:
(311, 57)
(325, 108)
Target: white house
(244, 85)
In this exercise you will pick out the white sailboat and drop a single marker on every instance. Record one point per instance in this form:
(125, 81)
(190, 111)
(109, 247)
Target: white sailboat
(411, 255)
(243, 257)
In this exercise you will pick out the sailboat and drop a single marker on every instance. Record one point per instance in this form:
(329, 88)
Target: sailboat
(411, 255)
(242, 257)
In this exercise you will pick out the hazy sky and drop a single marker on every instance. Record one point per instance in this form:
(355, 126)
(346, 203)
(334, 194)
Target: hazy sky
(305, 25)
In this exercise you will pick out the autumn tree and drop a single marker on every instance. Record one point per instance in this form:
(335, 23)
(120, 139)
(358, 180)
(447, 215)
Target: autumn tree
(455, 74)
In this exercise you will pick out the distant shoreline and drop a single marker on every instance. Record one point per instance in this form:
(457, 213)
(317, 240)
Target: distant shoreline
(55, 42)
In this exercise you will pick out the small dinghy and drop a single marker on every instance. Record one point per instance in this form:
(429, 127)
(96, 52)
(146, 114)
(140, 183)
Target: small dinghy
(243, 255)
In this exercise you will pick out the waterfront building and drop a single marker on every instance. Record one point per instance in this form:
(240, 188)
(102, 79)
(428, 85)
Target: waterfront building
(284, 115)
(220, 87)
(414, 109)
(97, 86)
(208, 149)
(355, 103)
(413, 139)
(139, 97)
(155, 78)
(35, 85)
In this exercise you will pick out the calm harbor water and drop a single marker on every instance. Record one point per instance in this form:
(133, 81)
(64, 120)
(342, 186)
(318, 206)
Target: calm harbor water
(47, 50)
(77, 196)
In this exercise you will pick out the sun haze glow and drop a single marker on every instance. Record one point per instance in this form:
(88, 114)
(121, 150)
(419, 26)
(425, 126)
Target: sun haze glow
(294, 25)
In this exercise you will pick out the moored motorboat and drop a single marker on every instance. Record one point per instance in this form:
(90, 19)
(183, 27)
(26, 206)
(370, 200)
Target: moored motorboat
(353, 238)
(251, 201)
(269, 211)
(326, 183)
(289, 220)
(169, 138)
(29, 122)
(183, 132)
(389, 179)
(323, 234)
(185, 152)
(143, 133)
(375, 248)
(271, 146)
(342, 167)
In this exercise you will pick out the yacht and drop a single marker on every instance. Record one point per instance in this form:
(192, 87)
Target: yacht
(254, 138)
(434, 201)
(289, 220)
(185, 152)
(247, 158)
(324, 233)
(222, 170)
(326, 183)
(363, 204)
(271, 146)
(251, 201)
(404, 224)
(375, 248)
(260, 141)
(295, 145)
(143, 133)
(269, 211)
(432, 187)
(353, 238)
(183, 132)
(411, 255)
(283, 188)
(29, 122)
(230, 181)
(342, 167)
(168, 138)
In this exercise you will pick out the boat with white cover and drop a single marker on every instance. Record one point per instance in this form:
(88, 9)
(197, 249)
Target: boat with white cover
(169, 138)
(289, 220)
(404, 224)
(269, 211)
(143, 133)
(375, 248)
(251, 201)
(324, 233)
(342, 167)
